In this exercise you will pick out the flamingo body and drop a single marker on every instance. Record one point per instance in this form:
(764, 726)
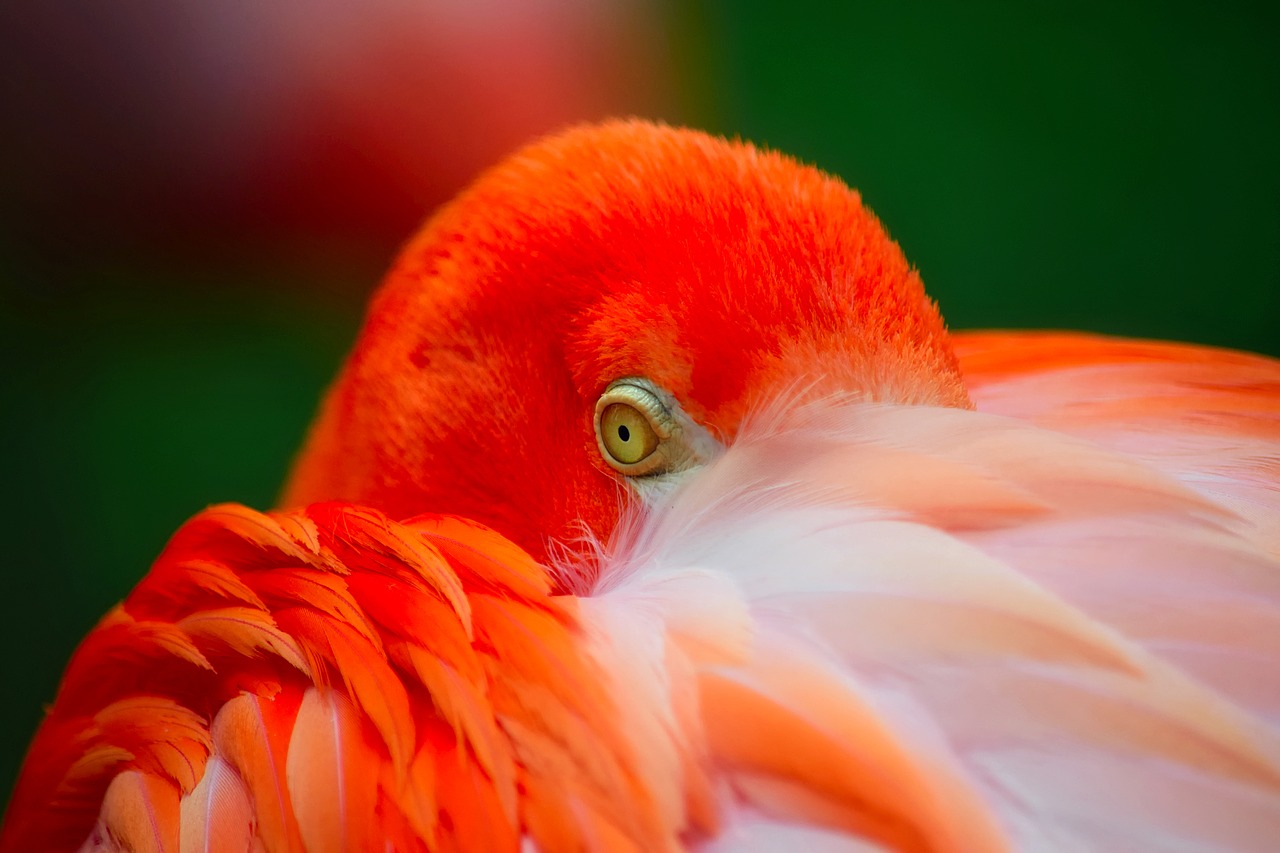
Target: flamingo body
(905, 591)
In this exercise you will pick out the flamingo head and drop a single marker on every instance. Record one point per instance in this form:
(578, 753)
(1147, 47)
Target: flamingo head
(594, 317)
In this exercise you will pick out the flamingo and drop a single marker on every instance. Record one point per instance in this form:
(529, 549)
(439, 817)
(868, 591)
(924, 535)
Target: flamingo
(656, 508)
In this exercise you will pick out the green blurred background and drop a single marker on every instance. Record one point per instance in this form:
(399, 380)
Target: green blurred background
(193, 214)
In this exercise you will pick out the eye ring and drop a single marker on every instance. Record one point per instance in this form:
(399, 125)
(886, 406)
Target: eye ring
(633, 428)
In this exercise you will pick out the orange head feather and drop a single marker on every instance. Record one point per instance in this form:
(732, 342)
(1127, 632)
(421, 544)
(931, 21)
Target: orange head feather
(722, 273)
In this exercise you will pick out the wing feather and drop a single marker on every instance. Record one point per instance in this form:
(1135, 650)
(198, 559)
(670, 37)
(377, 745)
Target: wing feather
(329, 677)
(139, 815)
(332, 774)
(1027, 626)
(217, 815)
(251, 734)
(1209, 418)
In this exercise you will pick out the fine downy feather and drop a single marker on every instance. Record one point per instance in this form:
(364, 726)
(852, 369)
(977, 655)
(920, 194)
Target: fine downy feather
(864, 627)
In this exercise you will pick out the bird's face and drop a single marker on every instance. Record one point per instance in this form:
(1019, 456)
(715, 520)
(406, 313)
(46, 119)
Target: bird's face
(597, 315)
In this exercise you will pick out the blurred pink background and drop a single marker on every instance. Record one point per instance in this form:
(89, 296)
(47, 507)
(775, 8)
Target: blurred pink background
(285, 127)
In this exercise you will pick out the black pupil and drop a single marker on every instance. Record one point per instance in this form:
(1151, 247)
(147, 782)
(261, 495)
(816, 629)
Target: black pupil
(624, 433)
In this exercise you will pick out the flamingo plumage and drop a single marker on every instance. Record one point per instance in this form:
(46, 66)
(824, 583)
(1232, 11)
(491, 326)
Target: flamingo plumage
(656, 508)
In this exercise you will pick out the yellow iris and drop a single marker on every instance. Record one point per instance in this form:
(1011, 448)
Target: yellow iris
(626, 434)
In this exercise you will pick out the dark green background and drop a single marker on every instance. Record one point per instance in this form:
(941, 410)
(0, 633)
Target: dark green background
(1101, 166)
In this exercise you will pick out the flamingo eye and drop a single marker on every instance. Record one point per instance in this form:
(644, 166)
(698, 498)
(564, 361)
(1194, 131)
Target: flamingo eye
(626, 434)
(634, 428)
